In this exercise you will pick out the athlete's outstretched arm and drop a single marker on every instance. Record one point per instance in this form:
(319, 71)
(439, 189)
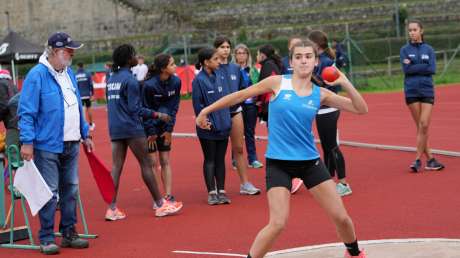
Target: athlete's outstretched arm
(353, 103)
(270, 84)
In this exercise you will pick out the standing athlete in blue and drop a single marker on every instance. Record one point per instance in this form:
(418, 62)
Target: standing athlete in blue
(161, 92)
(208, 87)
(234, 82)
(291, 150)
(328, 117)
(86, 88)
(419, 64)
(125, 113)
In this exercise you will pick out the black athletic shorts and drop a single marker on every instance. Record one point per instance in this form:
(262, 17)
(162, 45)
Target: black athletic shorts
(86, 102)
(158, 145)
(236, 110)
(281, 172)
(429, 100)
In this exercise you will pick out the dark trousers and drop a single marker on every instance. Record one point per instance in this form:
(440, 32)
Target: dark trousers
(327, 130)
(214, 163)
(250, 121)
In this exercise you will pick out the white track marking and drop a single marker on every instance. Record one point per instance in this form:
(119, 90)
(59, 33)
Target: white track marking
(316, 247)
(354, 144)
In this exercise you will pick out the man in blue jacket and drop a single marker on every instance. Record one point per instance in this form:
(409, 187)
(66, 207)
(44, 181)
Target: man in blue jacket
(51, 125)
(85, 86)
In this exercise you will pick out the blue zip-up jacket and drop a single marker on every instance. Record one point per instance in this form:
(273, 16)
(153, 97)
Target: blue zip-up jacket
(41, 110)
(207, 89)
(85, 83)
(287, 69)
(418, 75)
(324, 61)
(124, 106)
(163, 96)
(246, 78)
(232, 79)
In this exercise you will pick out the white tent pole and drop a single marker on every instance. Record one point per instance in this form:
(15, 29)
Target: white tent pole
(13, 71)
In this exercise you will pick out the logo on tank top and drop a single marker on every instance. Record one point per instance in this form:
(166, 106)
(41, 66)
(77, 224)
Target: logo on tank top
(310, 105)
(287, 97)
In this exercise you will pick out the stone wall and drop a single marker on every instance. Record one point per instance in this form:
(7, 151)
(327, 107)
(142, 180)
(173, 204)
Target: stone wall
(146, 23)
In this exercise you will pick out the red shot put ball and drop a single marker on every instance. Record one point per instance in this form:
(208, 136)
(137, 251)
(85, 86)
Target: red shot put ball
(330, 74)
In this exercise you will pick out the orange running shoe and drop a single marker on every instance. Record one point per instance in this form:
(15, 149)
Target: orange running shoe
(168, 208)
(112, 215)
(361, 255)
(296, 184)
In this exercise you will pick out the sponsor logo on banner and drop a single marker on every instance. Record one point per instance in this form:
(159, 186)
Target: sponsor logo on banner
(3, 48)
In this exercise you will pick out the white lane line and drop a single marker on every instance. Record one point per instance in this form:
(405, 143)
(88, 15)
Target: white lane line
(209, 253)
(330, 245)
(367, 242)
(354, 144)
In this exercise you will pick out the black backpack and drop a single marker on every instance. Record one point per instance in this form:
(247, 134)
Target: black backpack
(7, 90)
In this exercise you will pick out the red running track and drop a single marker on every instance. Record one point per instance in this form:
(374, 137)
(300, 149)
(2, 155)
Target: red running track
(387, 201)
(388, 122)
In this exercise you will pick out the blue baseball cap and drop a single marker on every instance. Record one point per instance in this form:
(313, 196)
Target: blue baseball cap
(63, 40)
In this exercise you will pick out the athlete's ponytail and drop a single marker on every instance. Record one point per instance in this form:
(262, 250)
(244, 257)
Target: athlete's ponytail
(160, 62)
(203, 55)
(320, 39)
(270, 53)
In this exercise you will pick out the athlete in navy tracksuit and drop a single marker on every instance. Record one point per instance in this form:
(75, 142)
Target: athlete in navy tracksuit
(125, 113)
(161, 91)
(207, 88)
(418, 62)
(234, 82)
(85, 86)
(327, 117)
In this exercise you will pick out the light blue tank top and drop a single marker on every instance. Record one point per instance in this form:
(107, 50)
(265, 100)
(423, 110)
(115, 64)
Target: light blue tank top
(290, 119)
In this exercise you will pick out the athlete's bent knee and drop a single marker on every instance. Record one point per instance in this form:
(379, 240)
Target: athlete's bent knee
(278, 224)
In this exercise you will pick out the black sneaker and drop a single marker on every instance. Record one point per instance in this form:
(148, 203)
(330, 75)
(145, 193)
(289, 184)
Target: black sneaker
(433, 164)
(223, 198)
(71, 239)
(213, 199)
(49, 248)
(416, 165)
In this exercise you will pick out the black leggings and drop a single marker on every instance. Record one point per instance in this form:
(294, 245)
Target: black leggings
(139, 148)
(327, 130)
(214, 163)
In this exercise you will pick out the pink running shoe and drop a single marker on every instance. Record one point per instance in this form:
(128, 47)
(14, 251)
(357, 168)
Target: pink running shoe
(296, 184)
(361, 255)
(112, 215)
(168, 208)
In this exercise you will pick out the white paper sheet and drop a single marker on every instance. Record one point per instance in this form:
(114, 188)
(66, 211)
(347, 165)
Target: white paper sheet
(30, 183)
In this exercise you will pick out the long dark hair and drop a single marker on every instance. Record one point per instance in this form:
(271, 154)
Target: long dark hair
(270, 53)
(221, 40)
(419, 23)
(121, 56)
(320, 38)
(203, 55)
(160, 62)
